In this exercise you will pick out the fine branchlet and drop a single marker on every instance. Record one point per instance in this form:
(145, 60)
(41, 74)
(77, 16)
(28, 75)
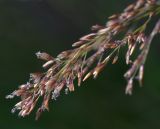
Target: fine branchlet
(91, 54)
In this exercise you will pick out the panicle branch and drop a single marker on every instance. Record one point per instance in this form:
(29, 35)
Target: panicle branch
(94, 50)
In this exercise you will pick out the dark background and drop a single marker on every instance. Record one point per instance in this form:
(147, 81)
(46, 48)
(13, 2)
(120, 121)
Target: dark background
(27, 26)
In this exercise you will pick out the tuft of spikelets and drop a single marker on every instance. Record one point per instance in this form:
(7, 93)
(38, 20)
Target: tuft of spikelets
(90, 55)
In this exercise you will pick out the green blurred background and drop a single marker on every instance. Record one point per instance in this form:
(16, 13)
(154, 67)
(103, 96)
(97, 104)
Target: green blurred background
(27, 26)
